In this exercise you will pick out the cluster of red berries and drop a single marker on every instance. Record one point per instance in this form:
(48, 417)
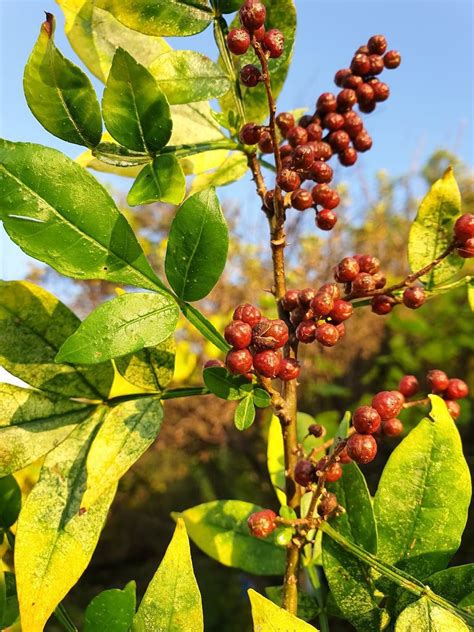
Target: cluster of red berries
(464, 234)
(440, 384)
(252, 16)
(318, 314)
(306, 154)
(256, 341)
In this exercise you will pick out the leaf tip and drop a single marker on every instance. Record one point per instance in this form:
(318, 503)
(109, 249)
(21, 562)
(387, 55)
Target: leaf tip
(449, 173)
(177, 516)
(49, 24)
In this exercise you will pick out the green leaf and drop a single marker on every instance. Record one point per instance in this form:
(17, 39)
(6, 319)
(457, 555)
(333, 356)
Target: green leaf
(172, 602)
(59, 94)
(424, 615)
(432, 231)
(32, 424)
(135, 110)
(162, 17)
(197, 246)
(151, 369)
(419, 522)
(244, 414)
(58, 213)
(126, 432)
(55, 539)
(349, 579)
(281, 14)
(308, 607)
(9, 607)
(225, 385)
(261, 398)
(186, 77)
(112, 610)
(161, 181)
(10, 501)
(269, 617)
(204, 326)
(220, 529)
(229, 6)
(126, 324)
(233, 168)
(33, 326)
(95, 35)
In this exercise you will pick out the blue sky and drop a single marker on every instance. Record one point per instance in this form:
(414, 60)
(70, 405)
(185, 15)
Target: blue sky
(431, 104)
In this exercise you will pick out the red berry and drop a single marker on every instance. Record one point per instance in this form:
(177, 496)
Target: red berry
(304, 473)
(328, 504)
(360, 64)
(248, 314)
(305, 120)
(303, 156)
(262, 523)
(367, 108)
(322, 303)
(380, 280)
(252, 14)
(366, 420)
(321, 172)
(288, 180)
(382, 304)
(392, 59)
(267, 363)
(348, 157)
(322, 151)
(347, 270)
(290, 300)
(466, 251)
(321, 194)
(274, 41)
(286, 150)
(250, 134)
(269, 334)
(381, 91)
(376, 64)
(362, 142)
(414, 297)
(365, 93)
(238, 41)
(464, 227)
(408, 386)
(457, 389)
(344, 456)
(213, 363)
(377, 45)
(238, 334)
(326, 219)
(314, 131)
(363, 283)
(353, 82)
(285, 122)
(289, 369)
(387, 404)
(346, 99)
(326, 103)
(327, 335)
(361, 448)
(341, 311)
(368, 263)
(437, 381)
(278, 331)
(306, 296)
(341, 76)
(315, 430)
(332, 289)
(333, 121)
(352, 123)
(306, 331)
(454, 408)
(301, 199)
(239, 361)
(333, 472)
(297, 136)
(339, 140)
(250, 76)
(392, 427)
(364, 50)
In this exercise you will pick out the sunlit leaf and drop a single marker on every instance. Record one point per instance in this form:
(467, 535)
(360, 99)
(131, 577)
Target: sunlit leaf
(269, 617)
(150, 369)
(161, 181)
(425, 615)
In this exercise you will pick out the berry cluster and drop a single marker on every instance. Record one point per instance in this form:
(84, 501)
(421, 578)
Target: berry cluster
(256, 341)
(318, 314)
(449, 389)
(309, 147)
(464, 234)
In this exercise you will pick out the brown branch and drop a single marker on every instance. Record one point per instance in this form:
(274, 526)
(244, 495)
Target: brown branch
(417, 402)
(327, 444)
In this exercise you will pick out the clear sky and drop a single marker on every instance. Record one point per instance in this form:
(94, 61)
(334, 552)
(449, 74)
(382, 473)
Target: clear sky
(431, 103)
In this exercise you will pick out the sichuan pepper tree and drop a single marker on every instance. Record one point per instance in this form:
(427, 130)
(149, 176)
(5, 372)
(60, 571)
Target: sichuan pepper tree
(94, 400)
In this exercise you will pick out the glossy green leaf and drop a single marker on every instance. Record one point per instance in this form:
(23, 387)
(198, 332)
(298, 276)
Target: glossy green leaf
(10, 501)
(261, 398)
(59, 94)
(33, 326)
(135, 110)
(220, 529)
(269, 617)
(95, 35)
(58, 213)
(126, 324)
(32, 424)
(162, 17)
(425, 615)
(161, 181)
(204, 326)
(112, 610)
(186, 77)
(349, 579)
(224, 384)
(419, 524)
(172, 602)
(197, 246)
(127, 431)
(56, 539)
(8, 600)
(244, 414)
(432, 230)
(232, 169)
(281, 14)
(151, 369)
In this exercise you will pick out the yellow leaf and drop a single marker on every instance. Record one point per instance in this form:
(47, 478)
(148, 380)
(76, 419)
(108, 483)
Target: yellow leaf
(268, 617)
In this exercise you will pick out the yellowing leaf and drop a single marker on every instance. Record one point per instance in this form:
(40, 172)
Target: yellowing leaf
(231, 170)
(425, 615)
(268, 617)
